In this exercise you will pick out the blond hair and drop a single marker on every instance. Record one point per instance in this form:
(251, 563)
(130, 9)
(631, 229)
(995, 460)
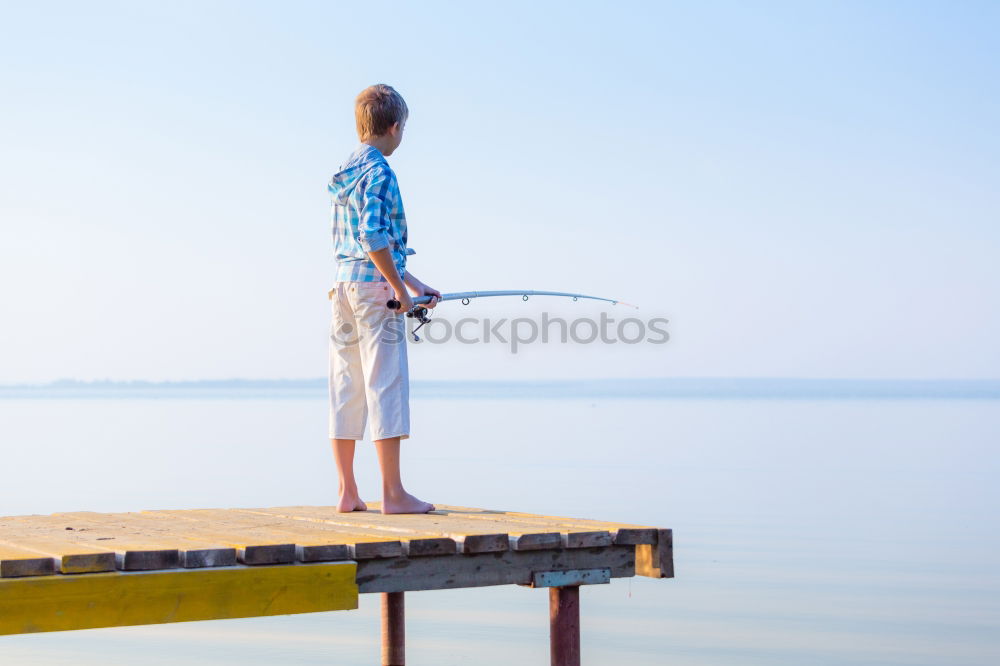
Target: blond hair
(376, 109)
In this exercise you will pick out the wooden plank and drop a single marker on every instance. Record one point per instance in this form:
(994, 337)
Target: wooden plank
(521, 537)
(494, 542)
(484, 569)
(489, 533)
(415, 542)
(422, 534)
(93, 534)
(473, 512)
(250, 548)
(133, 549)
(314, 542)
(133, 542)
(634, 536)
(624, 534)
(656, 560)
(418, 539)
(430, 546)
(527, 534)
(59, 603)
(16, 562)
(371, 550)
(69, 557)
(536, 541)
(587, 539)
(323, 552)
(132, 553)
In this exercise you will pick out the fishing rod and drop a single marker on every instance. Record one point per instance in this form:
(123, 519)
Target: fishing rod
(419, 312)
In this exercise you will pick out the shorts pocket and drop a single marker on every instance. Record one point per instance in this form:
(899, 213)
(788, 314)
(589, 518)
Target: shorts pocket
(375, 291)
(369, 301)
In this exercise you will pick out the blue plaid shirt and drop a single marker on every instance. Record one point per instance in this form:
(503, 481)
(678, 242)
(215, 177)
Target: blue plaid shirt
(367, 214)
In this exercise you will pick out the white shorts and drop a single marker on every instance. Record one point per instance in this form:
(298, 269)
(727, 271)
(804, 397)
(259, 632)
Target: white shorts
(368, 365)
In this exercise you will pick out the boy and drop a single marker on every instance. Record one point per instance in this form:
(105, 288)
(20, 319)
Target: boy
(368, 363)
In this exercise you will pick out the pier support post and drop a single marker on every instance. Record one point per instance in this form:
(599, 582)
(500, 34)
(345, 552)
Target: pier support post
(564, 625)
(393, 629)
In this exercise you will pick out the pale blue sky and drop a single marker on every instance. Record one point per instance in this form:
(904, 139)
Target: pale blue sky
(803, 189)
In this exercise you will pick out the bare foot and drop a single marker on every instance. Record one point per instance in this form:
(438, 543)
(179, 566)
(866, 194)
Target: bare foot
(405, 503)
(351, 502)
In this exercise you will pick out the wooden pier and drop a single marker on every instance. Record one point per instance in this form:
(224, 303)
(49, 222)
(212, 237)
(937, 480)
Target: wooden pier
(86, 570)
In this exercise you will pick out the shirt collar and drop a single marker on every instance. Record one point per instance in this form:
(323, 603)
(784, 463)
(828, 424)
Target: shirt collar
(370, 152)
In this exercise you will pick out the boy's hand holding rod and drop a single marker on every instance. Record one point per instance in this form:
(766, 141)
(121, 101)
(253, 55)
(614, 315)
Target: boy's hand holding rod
(383, 262)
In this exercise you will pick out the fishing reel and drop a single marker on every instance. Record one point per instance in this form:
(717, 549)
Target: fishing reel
(418, 312)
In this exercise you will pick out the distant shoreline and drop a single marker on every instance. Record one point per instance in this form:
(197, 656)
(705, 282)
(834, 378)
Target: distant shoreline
(654, 388)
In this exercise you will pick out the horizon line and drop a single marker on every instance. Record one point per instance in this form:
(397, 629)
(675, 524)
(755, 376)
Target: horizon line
(725, 388)
(165, 383)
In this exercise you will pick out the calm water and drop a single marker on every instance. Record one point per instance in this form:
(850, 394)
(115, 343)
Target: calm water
(806, 531)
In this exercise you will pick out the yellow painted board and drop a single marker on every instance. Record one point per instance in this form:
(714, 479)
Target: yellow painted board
(89, 601)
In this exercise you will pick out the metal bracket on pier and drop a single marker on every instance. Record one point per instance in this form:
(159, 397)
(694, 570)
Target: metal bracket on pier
(570, 577)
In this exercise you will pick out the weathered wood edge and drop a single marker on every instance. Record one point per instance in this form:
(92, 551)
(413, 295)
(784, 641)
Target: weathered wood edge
(483, 543)
(79, 559)
(537, 541)
(433, 546)
(586, 539)
(635, 536)
(16, 563)
(656, 560)
(366, 550)
(561, 523)
(487, 569)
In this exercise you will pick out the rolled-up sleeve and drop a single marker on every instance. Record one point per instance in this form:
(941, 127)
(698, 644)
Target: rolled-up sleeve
(373, 229)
